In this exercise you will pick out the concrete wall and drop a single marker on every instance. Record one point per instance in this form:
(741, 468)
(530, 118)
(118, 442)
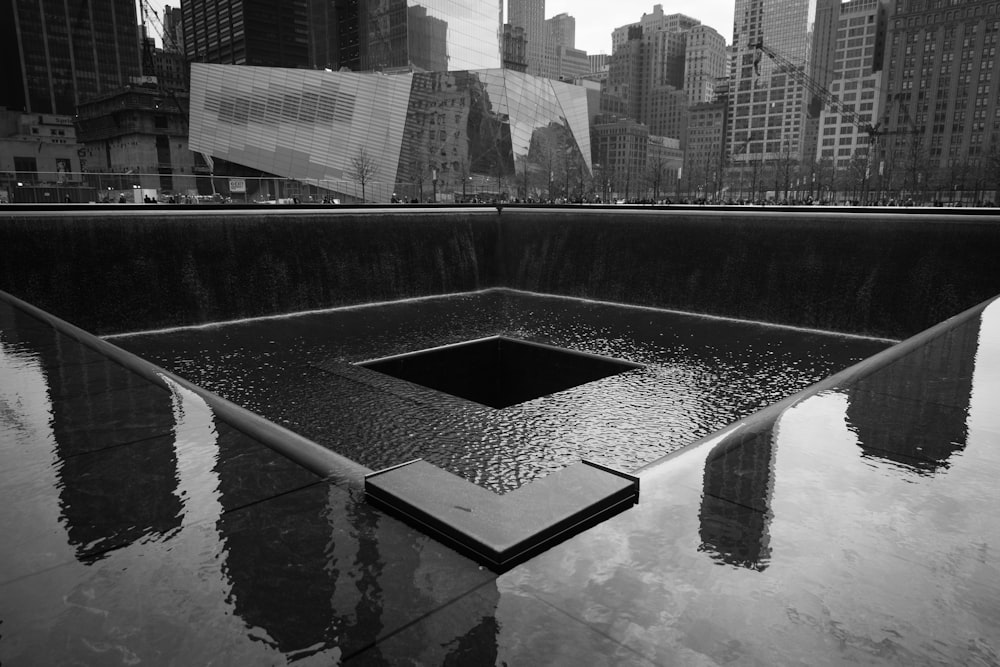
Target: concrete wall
(111, 270)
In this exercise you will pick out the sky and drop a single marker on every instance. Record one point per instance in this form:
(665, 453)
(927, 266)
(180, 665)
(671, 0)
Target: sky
(595, 19)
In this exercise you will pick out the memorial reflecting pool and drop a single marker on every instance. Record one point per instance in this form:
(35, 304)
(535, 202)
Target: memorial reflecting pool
(698, 374)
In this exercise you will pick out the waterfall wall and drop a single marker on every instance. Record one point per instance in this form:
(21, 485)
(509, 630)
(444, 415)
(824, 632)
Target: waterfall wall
(874, 272)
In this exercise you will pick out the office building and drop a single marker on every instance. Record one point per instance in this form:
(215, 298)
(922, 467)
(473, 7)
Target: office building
(655, 21)
(646, 77)
(563, 61)
(620, 149)
(705, 148)
(247, 32)
(704, 63)
(398, 36)
(39, 158)
(173, 29)
(530, 15)
(942, 111)
(57, 53)
(856, 73)
(598, 62)
(431, 35)
(769, 101)
(428, 135)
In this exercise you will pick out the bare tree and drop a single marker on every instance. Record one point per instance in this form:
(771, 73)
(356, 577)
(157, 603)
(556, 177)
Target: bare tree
(656, 171)
(364, 169)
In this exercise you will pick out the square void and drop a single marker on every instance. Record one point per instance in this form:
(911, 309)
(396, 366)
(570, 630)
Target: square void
(499, 372)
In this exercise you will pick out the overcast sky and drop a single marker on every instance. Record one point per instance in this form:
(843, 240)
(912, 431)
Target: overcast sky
(595, 19)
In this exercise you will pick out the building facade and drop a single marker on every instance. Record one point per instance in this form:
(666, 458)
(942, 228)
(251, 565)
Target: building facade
(856, 73)
(704, 63)
(247, 32)
(655, 21)
(530, 15)
(437, 135)
(515, 55)
(705, 150)
(39, 158)
(941, 108)
(770, 101)
(646, 77)
(58, 53)
(563, 61)
(620, 150)
(137, 137)
(430, 35)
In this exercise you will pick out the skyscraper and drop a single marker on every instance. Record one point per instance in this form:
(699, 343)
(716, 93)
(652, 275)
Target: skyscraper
(530, 15)
(646, 74)
(247, 32)
(769, 105)
(704, 63)
(57, 53)
(942, 112)
(406, 35)
(858, 32)
(562, 59)
(653, 22)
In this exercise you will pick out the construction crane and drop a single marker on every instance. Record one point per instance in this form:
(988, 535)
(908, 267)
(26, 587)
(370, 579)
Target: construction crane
(150, 14)
(824, 96)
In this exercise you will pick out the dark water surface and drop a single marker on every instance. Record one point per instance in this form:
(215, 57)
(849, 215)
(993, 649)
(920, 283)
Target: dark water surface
(700, 374)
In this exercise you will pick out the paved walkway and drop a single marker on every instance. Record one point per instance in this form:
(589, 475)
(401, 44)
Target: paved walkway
(853, 523)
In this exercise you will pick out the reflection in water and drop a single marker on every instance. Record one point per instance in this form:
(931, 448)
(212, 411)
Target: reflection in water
(985, 396)
(28, 458)
(937, 377)
(700, 374)
(358, 575)
(735, 505)
(111, 496)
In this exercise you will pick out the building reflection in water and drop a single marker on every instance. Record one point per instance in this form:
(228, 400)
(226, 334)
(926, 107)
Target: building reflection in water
(913, 412)
(735, 506)
(125, 491)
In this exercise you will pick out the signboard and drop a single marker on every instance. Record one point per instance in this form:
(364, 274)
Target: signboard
(237, 185)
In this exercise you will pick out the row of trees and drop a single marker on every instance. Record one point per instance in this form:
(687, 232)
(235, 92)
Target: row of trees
(555, 170)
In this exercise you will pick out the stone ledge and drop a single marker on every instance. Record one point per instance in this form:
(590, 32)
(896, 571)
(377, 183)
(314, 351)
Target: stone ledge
(502, 531)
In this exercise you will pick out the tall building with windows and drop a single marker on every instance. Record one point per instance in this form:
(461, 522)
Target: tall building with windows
(58, 53)
(646, 75)
(384, 35)
(563, 60)
(429, 35)
(942, 112)
(247, 32)
(856, 71)
(653, 22)
(530, 15)
(704, 63)
(770, 115)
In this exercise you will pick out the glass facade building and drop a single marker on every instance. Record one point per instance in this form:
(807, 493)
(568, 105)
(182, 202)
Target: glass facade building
(421, 35)
(441, 135)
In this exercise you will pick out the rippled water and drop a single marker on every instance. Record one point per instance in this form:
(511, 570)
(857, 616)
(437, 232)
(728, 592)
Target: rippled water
(700, 374)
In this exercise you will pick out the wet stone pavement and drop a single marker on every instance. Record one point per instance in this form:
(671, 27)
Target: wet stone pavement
(855, 523)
